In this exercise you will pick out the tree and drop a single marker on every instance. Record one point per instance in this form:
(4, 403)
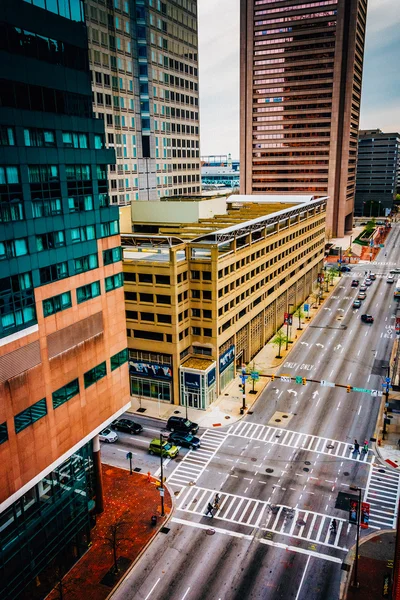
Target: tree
(332, 274)
(279, 339)
(328, 235)
(115, 539)
(300, 315)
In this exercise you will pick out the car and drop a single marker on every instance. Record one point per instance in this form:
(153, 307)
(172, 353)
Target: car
(182, 424)
(372, 276)
(108, 436)
(356, 303)
(367, 281)
(362, 288)
(367, 318)
(167, 448)
(184, 439)
(355, 283)
(126, 425)
(345, 269)
(394, 271)
(390, 279)
(361, 296)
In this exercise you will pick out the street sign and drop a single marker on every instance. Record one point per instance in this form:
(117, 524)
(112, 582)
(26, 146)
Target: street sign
(286, 378)
(299, 379)
(306, 307)
(129, 455)
(161, 491)
(339, 261)
(381, 245)
(375, 393)
(243, 378)
(388, 379)
(364, 515)
(353, 510)
(356, 389)
(255, 375)
(327, 383)
(285, 318)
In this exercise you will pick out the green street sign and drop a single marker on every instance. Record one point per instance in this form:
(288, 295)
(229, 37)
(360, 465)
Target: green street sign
(299, 379)
(355, 389)
(381, 245)
(255, 375)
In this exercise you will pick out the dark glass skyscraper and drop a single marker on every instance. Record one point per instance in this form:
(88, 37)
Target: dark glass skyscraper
(301, 73)
(63, 371)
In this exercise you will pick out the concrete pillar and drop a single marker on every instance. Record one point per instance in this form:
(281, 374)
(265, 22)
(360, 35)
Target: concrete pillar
(98, 475)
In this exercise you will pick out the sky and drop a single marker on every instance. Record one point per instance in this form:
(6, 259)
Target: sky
(219, 72)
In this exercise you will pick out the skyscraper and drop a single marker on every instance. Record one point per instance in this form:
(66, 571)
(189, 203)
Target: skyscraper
(301, 73)
(144, 63)
(63, 347)
(378, 172)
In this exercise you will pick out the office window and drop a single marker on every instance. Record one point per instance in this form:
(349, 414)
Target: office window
(57, 304)
(207, 314)
(95, 374)
(113, 255)
(145, 278)
(195, 274)
(43, 207)
(164, 318)
(42, 173)
(132, 296)
(163, 279)
(206, 295)
(109, 228)
(9, 175)
(114, 282)
(148, 335)
(30, 415)
(83, 234)
(131, 314)
(207, 332)
(98, 142)
(17, 302)
(86, 292)
(7, 136)
(163, 299)
(50, 240)
(65, 393)
(196, 330)
(3, 433)
(39, 137)
(206, 275)
(146, 316)
(76, 140)
(77, 172)
(119, 359)
(80, 204)
(86, 263)
(53, 273)
(13, 248)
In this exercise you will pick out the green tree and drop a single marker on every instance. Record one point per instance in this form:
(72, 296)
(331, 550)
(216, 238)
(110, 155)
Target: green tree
(300, 315)
(332, 274)
(278, 340)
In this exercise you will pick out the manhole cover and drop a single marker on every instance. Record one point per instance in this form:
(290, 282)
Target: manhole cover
(346, 473)
(269, 470)
(330, 446)
(253, 460)
(177, 492)
(285, 416)
(141, 410)
(165, 529)
(307, 462)
(277, 420)
(227, 417)
(306, 469)
(210, 531)
(178, 460)
(381, 471)
(176, 412)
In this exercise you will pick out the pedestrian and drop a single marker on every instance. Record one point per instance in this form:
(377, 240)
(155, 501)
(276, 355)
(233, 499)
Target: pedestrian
(356, 447)
(366, 448)
(398, 443)
(209, 510)
(216, 501)
(333, 526)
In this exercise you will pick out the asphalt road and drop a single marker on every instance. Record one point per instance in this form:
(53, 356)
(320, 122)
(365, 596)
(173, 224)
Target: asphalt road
(279, 470)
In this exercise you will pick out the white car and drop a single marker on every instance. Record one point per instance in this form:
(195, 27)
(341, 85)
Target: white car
(390, 279)
(368, 282)
(107, 435)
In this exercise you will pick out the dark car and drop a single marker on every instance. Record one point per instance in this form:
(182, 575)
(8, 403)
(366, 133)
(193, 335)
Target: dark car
(367, 318)
(355, 283)
(126, 425)
(372, 276)
(187, 440)
(357, 304)
(395, 271)
(345, 269)
(182, 424)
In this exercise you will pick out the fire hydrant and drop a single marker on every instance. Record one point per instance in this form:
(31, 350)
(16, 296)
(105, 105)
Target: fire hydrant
(379, 441)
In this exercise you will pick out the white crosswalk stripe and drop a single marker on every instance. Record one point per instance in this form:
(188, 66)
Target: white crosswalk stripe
(302, 524)
(382, 493)
(195, 461)
(294, 439)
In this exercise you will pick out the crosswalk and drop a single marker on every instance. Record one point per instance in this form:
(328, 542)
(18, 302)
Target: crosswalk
(305, 525)
(196, 461)
(294, 439)
(382, 493)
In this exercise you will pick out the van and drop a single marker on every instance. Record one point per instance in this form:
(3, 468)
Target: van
(168, 449)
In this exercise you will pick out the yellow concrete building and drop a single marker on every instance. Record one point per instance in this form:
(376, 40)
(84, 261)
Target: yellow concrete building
(207, 283)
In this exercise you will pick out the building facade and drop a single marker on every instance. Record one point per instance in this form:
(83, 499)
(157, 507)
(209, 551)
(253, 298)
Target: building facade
(144, 66)
(63, 349)
(378, 172)
(207, 284)
(301, 74)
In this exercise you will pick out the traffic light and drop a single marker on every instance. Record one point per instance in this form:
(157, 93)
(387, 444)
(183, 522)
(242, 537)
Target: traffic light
(304, 381)
(272, 377)
(348, 387)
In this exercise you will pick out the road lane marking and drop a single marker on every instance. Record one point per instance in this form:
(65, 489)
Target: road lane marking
(125, 451)
(302, 579)
(152, 589)
(186, 593)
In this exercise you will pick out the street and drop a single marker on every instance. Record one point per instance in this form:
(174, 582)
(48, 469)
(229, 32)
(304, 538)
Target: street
(278, 471)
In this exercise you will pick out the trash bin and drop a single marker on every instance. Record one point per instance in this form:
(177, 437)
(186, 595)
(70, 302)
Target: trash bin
(154, 519)
(241, 410)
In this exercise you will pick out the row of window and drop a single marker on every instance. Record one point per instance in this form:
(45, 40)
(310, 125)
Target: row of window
(133, 315)
(10, 175)
(60, 270)
(148, 298)
(46, 138)
(38, 410)
(147, 278)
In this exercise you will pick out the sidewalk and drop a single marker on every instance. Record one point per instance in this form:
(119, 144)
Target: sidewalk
(375, 567)
(129, 503)
(226, 409)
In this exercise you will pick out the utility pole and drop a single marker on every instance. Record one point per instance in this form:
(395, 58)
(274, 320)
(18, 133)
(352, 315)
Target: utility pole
(355, 580)
(161, 489)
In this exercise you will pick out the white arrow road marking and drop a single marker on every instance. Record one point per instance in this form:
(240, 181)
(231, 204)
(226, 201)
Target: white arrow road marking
(338, 347)
(341, 309)
(320, 345)
(326, 308)
(315, 394)
(292, 392)
(304, 343)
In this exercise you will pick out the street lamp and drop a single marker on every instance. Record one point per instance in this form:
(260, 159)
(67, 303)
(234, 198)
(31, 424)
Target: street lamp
(159, 398)
(354, 488)
(186, 404)
(287, 325)
(161, 488)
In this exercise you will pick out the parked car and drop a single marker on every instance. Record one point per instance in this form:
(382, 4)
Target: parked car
(372, 276)
(390, 279)
(362, 296)
(108, 436)
(355, 283)
(184, 439)
(345, 269)
(395, 271)
(367, 281)
(167, 448)
(356, 303)
(182, 424)
(367, 318)
(126, 425)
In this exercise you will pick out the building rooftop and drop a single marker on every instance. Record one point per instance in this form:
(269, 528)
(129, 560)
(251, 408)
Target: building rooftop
(200, 364)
